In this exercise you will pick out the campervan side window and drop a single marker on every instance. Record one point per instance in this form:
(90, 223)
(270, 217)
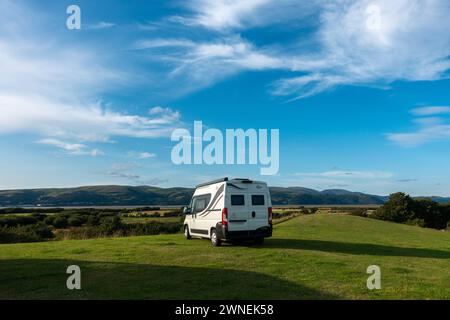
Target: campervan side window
(237, 200)
(200, 202)
(257, 200)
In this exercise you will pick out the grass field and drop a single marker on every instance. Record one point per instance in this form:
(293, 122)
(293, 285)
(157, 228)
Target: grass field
(320, 256)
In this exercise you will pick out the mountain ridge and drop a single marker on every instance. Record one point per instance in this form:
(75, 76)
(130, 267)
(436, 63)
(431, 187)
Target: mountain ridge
(123, 195)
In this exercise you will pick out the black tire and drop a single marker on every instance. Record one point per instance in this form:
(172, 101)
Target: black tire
(187, 234)
(216, 242)
(259, 241)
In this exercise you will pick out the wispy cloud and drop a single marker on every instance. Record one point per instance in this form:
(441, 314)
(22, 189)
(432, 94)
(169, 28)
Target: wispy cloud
(72, 148)
(346, 48)
(124, 170)
(407, 180)
(221, 14)
(229, 15)
(198, 64)
(127, 171)
(54, 89)
(357, 54)
(101, 25)
(429, 127)
(146, 155)
(85, 123)
(430, 111)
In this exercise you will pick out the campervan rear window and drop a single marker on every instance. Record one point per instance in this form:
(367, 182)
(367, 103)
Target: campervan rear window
(237, 200)
(257, 200)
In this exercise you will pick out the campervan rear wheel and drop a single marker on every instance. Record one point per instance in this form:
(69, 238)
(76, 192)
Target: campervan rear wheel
(187, 235)
(214, 240)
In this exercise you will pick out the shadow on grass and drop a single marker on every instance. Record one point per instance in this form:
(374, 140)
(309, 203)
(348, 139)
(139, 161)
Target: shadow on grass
(355, 248)
(46, 279)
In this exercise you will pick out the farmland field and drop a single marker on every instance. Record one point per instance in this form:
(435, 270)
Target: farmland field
(320, 256)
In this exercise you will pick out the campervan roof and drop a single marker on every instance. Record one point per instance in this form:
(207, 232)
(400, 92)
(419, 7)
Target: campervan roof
(236, 180)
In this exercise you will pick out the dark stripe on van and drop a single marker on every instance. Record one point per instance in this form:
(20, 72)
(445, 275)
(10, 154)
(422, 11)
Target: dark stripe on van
(206, 212)
(238, 220)
(235, 186)
(213, 201)
(199, 231)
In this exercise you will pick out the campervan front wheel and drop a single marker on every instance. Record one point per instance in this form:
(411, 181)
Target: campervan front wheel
(215, 241)
(187, 235)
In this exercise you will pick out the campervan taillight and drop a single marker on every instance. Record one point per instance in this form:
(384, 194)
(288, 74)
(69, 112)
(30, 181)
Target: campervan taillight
(224, 216)
(269, 211)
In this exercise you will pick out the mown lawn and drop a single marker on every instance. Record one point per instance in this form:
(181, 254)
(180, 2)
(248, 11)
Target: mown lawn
(310, 257)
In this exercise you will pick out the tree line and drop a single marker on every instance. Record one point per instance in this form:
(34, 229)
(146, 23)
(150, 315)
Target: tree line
(423, 212)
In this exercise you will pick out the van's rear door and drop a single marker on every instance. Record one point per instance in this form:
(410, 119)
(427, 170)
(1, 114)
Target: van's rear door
(258, 206)
(238, 212)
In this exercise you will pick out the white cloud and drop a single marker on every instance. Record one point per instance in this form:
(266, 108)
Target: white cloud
(429, 127)
(199, 64)
(124, 170)
(429, 111)
(408, 41)
(128, 171)
(86, 123)
(72, 148)
(146, 155)
(53, 89)
(221, 14)
(97, 153)
(102, 25)
(162, 43)
(229, 15)
(164, 115)
(411, 43)
(427, 132)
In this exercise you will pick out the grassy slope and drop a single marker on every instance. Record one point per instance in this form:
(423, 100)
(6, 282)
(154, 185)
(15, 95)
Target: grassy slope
(321, 256)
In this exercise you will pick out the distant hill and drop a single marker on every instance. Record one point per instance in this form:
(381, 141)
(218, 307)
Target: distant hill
(96, 196)
(436, 199)
(299, 195)
(147, 195)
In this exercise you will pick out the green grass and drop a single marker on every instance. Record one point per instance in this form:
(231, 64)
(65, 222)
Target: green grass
(310, 257)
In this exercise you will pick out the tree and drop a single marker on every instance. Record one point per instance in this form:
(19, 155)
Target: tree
(399, 208)
(431, 213)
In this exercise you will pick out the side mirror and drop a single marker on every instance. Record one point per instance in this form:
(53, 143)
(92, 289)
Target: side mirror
(186, 210)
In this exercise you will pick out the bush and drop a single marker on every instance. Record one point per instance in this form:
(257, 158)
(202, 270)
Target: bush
(60, 222)
(75, 221)
(360, 212)
(110, 224)
(39, 216)
(17, 221)
(32, 210)
(88, 232)
(93, 220)
(28, 233)
(116, 229)
(49, 220)
(173, 213)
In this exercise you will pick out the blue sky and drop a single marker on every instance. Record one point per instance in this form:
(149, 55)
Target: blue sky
(358, 89)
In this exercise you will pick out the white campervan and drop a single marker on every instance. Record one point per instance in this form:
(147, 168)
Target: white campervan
(229, 210)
